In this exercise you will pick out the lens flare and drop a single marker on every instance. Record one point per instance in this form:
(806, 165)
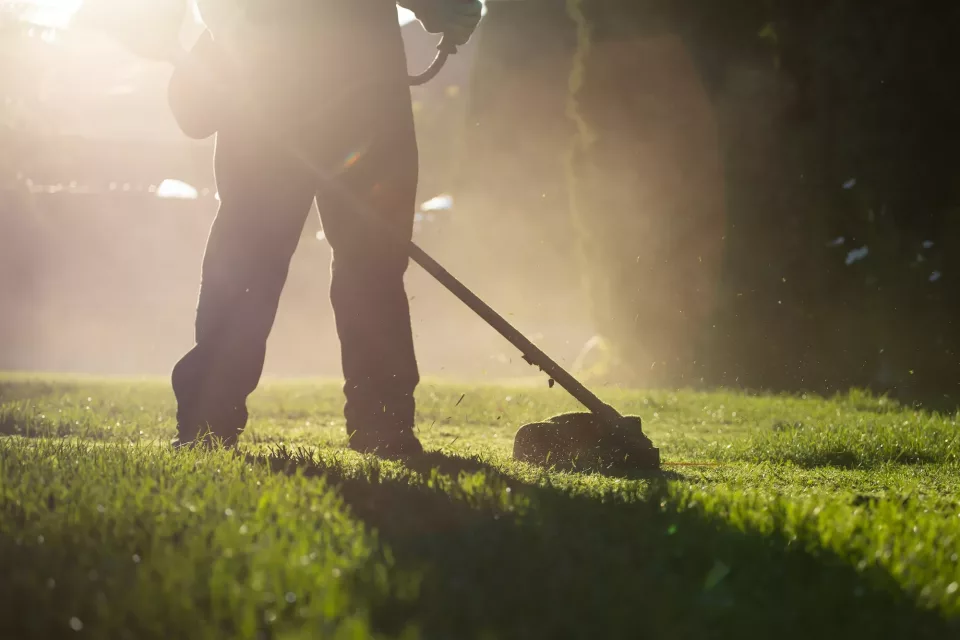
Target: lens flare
(352, 159)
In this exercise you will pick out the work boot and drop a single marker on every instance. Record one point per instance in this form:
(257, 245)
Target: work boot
(393, 443)
(210, 411)
(222, 427)
(207, 440)
(380, 420)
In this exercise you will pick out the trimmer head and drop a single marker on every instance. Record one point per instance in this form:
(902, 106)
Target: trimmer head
(586, 442)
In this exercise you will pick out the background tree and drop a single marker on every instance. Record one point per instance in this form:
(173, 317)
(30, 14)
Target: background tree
(820, 192)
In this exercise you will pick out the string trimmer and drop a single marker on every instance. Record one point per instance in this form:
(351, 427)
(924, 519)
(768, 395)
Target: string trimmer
(603, 437)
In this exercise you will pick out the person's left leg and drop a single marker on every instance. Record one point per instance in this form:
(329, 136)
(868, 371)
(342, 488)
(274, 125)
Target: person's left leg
(370, 258)
(368, 141)
(373, 322)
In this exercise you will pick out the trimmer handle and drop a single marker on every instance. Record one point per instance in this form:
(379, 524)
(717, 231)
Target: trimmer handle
(444, 50)
(446, 46)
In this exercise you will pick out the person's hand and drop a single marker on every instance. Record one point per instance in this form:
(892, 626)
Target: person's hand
(456, 19)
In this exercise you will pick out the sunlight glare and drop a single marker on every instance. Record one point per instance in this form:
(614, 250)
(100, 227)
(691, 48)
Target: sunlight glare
(54, 14)
(442, 202)
(176, 189)
(58, 13)
(405, 16)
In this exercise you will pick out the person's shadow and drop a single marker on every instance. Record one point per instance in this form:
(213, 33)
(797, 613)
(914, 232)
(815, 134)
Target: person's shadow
(540, 562)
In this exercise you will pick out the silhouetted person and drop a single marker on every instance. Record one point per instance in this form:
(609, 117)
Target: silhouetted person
(290, 87)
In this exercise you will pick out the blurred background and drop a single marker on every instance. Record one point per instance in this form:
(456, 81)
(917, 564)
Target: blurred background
(758, 195)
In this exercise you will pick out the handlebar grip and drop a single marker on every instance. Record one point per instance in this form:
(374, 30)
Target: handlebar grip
(444, 50)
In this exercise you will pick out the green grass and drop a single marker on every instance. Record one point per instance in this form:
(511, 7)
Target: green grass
(785, 517)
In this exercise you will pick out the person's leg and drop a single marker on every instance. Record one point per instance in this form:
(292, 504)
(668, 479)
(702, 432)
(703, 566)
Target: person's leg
(373, 149)
(263, 206)
(376, 339)
(367, 287)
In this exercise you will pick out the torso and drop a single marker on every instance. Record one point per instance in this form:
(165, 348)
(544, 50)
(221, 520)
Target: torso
(313, 49)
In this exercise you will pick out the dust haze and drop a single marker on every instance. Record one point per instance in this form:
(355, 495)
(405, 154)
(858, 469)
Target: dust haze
(90, 288)
(100, 273)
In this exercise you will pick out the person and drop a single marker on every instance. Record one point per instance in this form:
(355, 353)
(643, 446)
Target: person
(294, 90)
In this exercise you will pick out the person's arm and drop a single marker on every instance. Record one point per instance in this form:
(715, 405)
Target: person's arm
(199, 91)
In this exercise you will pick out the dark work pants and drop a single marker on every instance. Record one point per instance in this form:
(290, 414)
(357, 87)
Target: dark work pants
(320, 104)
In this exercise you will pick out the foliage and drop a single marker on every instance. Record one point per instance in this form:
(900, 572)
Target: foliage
(839, 191)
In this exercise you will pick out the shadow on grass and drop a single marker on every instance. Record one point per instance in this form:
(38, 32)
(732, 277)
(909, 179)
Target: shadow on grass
(585, 567)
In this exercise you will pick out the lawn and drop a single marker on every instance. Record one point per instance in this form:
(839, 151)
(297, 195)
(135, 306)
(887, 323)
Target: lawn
(774, 517)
